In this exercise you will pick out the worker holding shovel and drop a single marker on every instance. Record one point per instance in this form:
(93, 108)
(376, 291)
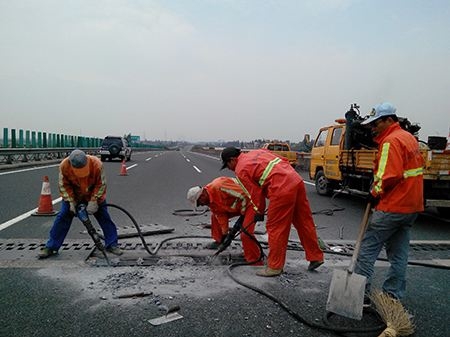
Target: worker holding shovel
(397, 197)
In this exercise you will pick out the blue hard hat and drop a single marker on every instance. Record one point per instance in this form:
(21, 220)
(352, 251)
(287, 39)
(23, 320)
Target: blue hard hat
(379, 111)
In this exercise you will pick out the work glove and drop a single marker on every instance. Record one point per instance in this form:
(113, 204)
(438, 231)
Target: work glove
(92, 207)
(258, 217)
(373, 200)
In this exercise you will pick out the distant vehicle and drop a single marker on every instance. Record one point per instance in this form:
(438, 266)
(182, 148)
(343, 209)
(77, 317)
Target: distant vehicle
(283, 150)
(115, 147)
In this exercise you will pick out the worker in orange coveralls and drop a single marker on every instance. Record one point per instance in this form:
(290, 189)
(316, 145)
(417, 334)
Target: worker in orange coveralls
(264, 175)
(226, 200)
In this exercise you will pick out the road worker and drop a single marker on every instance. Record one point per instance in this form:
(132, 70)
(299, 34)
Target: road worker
(226, 200)
(397, 196)
(81, 180)
(262, 175)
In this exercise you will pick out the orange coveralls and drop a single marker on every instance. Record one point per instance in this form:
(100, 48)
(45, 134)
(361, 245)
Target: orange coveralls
(265, 175)
(89, 188)
(227, 200)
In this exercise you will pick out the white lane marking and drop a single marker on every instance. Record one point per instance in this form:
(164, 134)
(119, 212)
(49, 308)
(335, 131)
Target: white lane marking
(24, 216)
(28, 169)
(187, 159)
(308, 183)
(130, 167)
(197, 169)
(148, 159)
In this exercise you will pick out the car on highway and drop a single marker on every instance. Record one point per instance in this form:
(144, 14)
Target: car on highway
(115, 147)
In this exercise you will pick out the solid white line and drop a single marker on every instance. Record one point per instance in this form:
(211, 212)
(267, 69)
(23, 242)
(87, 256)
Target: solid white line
(197, 169)
(27, 169)
(23, 216)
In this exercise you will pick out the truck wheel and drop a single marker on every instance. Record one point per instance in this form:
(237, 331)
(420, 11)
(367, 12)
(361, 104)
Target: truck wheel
(322, 184)
(444, 212)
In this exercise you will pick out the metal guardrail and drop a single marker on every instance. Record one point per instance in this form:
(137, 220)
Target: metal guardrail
(14, 155)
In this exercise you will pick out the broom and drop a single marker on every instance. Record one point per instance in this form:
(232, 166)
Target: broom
(393, 314)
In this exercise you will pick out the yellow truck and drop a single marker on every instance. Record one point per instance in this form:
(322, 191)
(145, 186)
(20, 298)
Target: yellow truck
(282, 149)
(342, 160)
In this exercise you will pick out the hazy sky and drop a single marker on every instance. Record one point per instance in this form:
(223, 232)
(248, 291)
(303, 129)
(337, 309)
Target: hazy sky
(205, 70)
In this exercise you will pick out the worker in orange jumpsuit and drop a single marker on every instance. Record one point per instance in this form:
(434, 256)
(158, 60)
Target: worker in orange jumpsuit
(226, 200)
(81, 181)
(264, 175)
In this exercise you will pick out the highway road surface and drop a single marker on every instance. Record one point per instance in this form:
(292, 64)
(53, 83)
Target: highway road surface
(77, 294)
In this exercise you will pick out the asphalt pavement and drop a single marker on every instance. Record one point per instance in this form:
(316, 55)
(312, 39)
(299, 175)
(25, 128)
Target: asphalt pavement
(77, 294)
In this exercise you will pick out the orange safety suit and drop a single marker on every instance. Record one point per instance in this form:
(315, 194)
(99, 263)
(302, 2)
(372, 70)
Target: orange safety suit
(228, 200)
(85, 189)
(265, 175)
(398, 174)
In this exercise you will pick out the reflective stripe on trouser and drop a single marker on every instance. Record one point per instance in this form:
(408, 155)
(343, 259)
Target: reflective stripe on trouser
(292, 207)
(63, 221)
(392, 230)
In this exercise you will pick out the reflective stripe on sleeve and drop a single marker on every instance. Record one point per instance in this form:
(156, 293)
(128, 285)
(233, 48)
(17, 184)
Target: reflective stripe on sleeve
(413, 172)
(381, 168)
(267, 170)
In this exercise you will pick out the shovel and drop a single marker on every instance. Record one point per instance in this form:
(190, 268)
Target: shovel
(346, 296)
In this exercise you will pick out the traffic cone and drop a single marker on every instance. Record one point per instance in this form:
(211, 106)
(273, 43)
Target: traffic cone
(45, 201)
(123, 169)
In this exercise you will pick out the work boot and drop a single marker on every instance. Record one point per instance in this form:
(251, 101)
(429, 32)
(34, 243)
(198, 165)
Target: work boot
(269, 272)
(46, 252)
(313, 265)
(212, 245)
(114, 250)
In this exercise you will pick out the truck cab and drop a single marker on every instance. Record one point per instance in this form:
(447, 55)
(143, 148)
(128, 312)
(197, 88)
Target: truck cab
(325, 154)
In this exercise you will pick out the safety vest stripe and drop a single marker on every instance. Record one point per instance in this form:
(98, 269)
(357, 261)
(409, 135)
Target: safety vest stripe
(238, 197)
(267, 170)
(248, 195)
(413, 172)
(381, 167)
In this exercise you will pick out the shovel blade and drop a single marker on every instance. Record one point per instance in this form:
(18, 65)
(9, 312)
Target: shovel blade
(346, 296)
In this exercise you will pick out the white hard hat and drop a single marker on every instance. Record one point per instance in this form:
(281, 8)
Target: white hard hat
(381, 110)
(193, 194)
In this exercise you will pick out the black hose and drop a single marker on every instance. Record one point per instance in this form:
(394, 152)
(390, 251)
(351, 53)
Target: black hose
(295, 315)
(141, 236)
(284, 306)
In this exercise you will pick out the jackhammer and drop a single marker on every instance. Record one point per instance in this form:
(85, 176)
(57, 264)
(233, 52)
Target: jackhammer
(226, 242)
(82, 214)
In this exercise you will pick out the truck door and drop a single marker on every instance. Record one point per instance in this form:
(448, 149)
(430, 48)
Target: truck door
(332, 151)
(317, 153)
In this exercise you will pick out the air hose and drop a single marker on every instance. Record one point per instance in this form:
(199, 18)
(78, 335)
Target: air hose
(284, 306)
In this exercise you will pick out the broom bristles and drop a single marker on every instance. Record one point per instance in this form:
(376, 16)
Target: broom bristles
(393, 314)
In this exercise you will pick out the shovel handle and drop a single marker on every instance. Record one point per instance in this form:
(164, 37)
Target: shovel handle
(362, 230)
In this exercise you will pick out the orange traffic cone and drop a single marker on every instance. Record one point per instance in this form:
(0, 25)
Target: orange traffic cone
(123, 169)
(45, 201)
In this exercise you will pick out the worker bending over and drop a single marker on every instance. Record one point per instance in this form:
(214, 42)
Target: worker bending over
(226, 199)
(81, 180)
(264, 175)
